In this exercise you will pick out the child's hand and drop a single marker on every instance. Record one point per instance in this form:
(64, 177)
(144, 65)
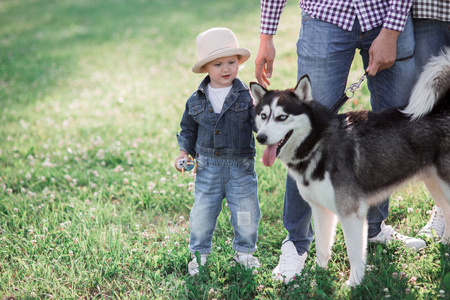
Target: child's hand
(183, 155)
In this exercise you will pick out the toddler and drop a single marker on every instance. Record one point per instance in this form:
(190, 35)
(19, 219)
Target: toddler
(217, 130)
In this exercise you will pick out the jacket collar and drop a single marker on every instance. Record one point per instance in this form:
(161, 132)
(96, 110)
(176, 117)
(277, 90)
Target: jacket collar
(238, 85)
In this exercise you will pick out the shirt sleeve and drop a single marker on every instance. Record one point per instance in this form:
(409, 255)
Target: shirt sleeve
(252, 118)
(188, 135)
(397, 15)
(270, 15)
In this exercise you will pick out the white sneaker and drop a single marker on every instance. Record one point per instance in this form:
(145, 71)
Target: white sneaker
(193, 264)
(290, 264)
(388, 234)
(247, 260)
(436, 224)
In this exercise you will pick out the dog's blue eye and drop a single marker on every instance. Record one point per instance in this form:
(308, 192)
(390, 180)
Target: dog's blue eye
(263, 116)
(282, 118)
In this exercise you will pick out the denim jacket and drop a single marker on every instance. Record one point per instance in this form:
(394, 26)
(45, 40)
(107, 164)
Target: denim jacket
(228, 135)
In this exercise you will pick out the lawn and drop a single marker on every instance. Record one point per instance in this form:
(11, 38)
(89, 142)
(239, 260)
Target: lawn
(91, 207)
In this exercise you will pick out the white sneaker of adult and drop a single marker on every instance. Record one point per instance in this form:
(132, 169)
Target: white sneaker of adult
(436, 224)
(388, 234)
(290, 264)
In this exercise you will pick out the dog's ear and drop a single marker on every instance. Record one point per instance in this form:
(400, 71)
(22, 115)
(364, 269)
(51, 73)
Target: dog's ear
(303, 89)
(257, 92)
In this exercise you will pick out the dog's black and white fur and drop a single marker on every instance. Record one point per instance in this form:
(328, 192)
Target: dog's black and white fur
(345, 163)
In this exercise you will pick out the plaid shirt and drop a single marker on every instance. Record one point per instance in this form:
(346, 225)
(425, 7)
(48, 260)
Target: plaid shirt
(431, 9)
(392, 14)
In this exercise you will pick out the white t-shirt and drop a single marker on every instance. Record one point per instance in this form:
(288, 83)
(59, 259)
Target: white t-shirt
(217, 97)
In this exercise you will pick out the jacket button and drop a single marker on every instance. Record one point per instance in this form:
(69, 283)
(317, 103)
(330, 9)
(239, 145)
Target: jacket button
(237, 105)
(217, 132)
(210, 110)
(217, 153)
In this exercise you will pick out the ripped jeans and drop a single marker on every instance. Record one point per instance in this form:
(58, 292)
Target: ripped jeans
(234, 179)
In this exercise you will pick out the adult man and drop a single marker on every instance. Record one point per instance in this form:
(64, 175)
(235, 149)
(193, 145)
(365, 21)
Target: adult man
(330, 33)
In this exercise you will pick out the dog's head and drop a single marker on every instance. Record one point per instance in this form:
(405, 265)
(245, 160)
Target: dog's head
(282, 119)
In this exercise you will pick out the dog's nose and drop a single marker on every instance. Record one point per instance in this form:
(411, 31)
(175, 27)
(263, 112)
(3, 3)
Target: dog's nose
(262, 138)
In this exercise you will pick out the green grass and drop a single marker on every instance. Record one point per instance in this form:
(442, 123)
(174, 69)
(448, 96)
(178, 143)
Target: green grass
(91, 94)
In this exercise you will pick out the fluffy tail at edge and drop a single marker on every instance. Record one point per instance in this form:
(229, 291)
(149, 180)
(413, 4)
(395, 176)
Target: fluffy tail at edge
(432, 84)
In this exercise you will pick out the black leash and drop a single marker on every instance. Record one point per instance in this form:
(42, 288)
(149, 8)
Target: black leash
(352, 88)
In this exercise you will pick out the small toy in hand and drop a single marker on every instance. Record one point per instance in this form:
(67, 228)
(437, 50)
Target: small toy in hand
(184, 164)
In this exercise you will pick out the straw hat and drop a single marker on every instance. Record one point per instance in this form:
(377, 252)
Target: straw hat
(216, 43)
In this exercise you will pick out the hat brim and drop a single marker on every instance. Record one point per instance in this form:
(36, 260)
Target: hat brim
(244, 55)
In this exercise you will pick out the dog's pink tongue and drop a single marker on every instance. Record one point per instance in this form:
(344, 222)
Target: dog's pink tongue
(269, 155)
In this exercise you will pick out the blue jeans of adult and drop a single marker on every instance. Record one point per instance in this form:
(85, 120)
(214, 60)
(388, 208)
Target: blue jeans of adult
(431, 36)
(325, 53)
(234, 179)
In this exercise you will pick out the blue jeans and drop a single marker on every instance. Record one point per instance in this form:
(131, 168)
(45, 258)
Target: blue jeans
(431, 36)
(325, 52)
(235, 180)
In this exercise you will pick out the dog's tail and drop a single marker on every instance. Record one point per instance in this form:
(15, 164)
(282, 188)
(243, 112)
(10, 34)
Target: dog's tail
(433, 83)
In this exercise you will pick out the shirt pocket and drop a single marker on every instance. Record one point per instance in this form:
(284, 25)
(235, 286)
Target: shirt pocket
(240, 110)
(195, 110)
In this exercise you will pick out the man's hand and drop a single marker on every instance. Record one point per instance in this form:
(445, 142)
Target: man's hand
(264, 60)
(383, 51)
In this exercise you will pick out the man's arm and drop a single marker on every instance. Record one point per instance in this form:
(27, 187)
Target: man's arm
(264, 59)
(270, 17)
(383, 51)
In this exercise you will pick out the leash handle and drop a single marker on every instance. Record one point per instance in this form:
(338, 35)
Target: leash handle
(352, 88)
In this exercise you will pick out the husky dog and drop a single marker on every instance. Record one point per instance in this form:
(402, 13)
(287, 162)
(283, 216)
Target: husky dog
(345, 163)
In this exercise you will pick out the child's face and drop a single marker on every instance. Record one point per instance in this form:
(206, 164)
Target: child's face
(223, 71)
